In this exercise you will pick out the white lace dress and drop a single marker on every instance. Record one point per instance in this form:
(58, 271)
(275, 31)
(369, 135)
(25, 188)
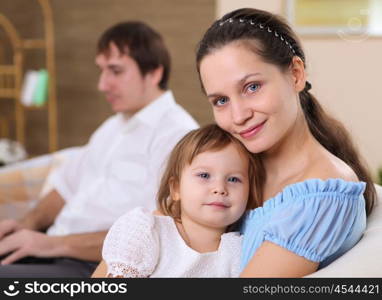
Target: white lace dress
(140, 244)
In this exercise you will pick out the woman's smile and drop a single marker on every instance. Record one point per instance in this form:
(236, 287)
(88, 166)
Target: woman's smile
(252, 131)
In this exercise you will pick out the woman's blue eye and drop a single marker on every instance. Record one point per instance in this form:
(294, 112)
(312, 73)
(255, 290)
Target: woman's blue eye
(204, 175)
(220, 101)
(233, 179)
(253, 87)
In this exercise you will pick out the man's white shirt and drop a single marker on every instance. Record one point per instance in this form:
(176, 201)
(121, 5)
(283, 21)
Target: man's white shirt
(120, 168)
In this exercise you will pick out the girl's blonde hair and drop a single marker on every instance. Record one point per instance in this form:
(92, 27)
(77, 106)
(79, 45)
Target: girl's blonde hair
(208, 138)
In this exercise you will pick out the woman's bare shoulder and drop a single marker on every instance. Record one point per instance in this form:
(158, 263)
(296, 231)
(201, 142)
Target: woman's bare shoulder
(328, 166)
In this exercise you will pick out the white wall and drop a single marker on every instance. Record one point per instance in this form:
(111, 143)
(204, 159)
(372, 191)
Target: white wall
(346, 76)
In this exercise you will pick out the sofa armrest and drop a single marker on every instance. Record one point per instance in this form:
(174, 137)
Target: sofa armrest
(22, 184)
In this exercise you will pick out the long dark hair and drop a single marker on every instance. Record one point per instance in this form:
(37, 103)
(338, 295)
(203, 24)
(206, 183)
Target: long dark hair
(270, 37)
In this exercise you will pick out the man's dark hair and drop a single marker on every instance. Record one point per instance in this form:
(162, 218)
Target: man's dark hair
(140, 42)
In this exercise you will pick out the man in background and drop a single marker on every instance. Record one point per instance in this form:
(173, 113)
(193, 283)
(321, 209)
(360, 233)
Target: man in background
(116, 171)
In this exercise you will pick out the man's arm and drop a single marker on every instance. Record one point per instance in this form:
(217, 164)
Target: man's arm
(25, 242)
(85, 246)
(44, 214)
(23, 239)
(39, 218)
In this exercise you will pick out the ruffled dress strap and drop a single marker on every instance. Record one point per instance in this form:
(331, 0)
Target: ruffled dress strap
(313, 219)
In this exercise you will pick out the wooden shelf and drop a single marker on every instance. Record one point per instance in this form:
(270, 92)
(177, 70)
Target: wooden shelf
(31, 44)
(44, 107)
(11, 75)
(8, 93)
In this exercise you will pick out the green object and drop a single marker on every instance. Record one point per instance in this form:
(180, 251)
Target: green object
(41, 91)
(380, 176)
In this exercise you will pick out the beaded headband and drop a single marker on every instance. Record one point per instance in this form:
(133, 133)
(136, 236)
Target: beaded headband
(308, 85)
(261, 26)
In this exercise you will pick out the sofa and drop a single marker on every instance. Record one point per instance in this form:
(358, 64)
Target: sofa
(25, 182)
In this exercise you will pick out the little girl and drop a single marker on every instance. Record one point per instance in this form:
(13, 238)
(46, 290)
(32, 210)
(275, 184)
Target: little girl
(205, 189)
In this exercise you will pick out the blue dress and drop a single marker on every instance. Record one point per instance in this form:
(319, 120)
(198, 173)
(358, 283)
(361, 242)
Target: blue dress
(317, 219)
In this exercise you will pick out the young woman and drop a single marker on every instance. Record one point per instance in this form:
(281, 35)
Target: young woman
(206, 188)
(315, 191)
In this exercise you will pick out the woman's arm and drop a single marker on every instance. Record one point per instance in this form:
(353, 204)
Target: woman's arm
(271, 260)
(100, 271)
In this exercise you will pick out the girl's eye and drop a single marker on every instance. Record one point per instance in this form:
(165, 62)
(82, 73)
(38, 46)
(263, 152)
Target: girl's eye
(234, 179)
(204, 175)
(220, 101)
(253, 87)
